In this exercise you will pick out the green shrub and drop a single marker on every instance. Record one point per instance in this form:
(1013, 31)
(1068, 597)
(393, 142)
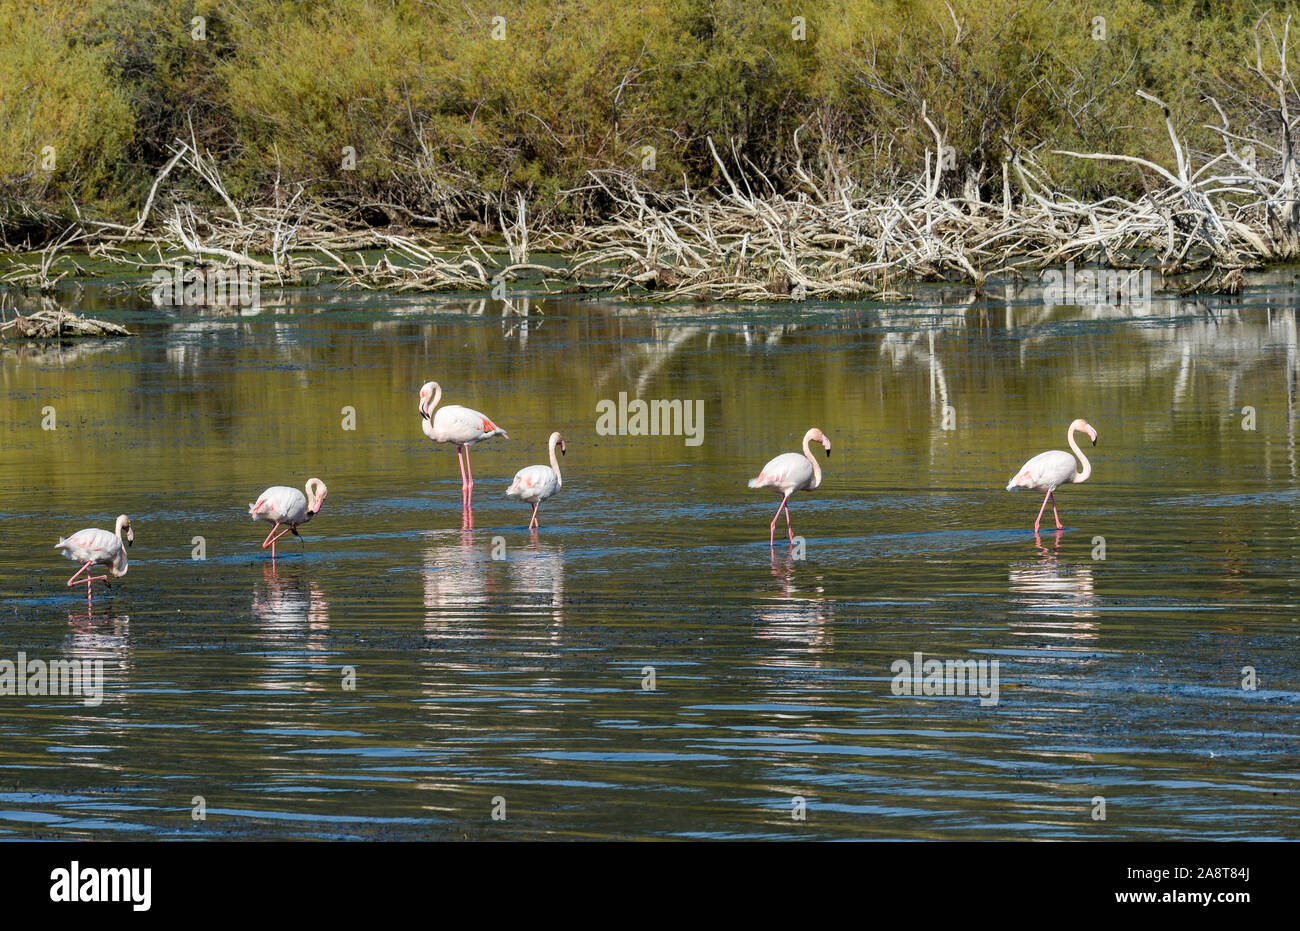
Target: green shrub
(57, 106)
(444, 119)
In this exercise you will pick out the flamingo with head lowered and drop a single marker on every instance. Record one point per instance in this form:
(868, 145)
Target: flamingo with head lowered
(1054, 468)
(281, 504)
(96, 547)
(534, 484)
(791, 472)
(457, 425)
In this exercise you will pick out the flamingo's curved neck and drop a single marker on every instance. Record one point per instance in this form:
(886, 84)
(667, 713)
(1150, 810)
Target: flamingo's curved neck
(555, 467)
(118, 530)
(817, 470)
(426, 424)
(1082, 474)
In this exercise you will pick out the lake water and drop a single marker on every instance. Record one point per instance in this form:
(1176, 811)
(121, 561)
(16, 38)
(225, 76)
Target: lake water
(406, 670)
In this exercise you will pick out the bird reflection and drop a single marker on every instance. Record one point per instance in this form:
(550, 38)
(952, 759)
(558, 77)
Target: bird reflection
(537, 580)
(294, 616)
(105, 637)
(463, 580)
(455, 576)
(289, 601)
(1047, 587)
(804, 620)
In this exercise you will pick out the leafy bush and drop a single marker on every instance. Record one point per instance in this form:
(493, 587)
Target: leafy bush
(445, 119)
(63, 124)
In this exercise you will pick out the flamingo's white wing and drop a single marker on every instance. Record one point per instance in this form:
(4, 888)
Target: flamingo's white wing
(456, 424)
(98, 546)
(533, 483)
(280, 504)
(91, 543)
(1046, 470)
(788, 472)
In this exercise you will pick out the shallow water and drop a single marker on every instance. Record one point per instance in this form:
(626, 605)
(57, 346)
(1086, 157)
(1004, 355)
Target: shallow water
(521, 678)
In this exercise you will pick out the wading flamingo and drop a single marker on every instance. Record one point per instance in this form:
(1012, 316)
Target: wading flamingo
(281, 504)
(96, 547)
(457, 425)
(1048, 471)
(791, 472)
(535, 483)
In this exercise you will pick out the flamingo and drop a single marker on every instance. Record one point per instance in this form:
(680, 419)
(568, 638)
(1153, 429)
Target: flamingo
(1048, 471)
(96, 547)
(534, 484)
(458, 425)
(790, 472)
(281, 504)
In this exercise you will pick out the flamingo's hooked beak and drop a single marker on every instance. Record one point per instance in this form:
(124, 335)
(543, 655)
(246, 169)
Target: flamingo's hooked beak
(130, 535)
(423, 412)
(1092, 434)
(562, 447)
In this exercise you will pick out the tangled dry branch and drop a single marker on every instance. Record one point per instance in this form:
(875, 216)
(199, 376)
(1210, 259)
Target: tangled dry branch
(816, 235)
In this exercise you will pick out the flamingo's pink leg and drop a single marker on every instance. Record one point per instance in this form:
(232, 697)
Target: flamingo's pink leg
(288, 529)
(1054, 514)
(533, 521)
(771, 537)
(1039, 519)
(88, 579)
(460, 461)
(788, 529)
(273, 536)
(469, 469)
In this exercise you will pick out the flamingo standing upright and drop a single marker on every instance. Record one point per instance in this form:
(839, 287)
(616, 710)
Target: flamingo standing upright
(96, 547)
(281, 504)
(1054, 468)
(791, 472)
(457, 425)
(534, 484)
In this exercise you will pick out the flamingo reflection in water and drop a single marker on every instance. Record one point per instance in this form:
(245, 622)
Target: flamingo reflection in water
(802, 617)
(294, 623)
(1047, 590)
(107, 638)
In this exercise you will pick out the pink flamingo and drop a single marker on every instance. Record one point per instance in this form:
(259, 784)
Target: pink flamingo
(790, 472)
(281, 504)
(534, 484)
(96, 547)
(1054, 468)
(458, 425)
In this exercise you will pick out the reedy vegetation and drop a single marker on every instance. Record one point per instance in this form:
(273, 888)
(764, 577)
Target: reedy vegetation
(896, 139)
